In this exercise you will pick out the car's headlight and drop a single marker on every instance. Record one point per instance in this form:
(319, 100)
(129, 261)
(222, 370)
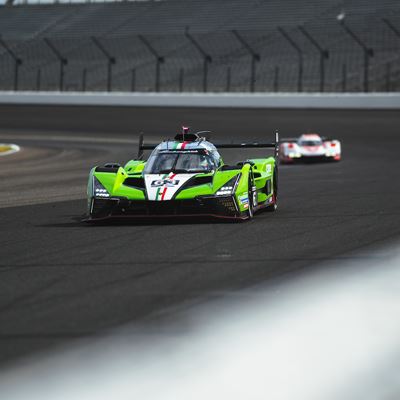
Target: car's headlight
(228, 188)
(98, 189)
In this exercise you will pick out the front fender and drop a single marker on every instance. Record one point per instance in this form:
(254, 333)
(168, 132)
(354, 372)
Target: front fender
(242, 188)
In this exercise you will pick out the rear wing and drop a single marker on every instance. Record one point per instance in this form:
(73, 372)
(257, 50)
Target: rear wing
(252, 145)
(142, 147)
(246, 145)
(295, 140)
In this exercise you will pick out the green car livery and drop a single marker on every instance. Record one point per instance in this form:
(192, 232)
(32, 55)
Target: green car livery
(184, 177)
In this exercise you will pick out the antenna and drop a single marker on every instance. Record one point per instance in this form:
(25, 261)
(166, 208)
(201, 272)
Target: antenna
(207, 134)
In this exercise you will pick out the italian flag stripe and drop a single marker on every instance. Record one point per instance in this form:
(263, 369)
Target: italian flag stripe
(179, 146)
(160, 194)
(164, 192)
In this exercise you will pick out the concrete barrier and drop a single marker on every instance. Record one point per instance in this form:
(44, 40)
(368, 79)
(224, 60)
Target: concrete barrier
(239, 100)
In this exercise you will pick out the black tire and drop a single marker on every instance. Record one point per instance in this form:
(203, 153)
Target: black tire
(274, 206)
(251, 194)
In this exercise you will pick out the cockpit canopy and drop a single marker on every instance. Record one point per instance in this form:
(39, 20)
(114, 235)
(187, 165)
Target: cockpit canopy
(310, 140)
(182, 161)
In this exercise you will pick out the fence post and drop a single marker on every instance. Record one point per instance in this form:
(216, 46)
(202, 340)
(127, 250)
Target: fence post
(228, 79)
(181, 76)
(206, 58)
(300, 58)
(388, 77)
(344, 78)
(84, 80)
(38, 79)
(368, 52)
(110, 61)
(255, 57)
(63, 61)
(133, 80)
(388, 66)
(159, 60)
(323, 54)
(17, 62)
(276, 79)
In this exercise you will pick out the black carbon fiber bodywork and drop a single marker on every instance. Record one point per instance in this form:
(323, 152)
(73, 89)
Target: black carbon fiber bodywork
(223, 206)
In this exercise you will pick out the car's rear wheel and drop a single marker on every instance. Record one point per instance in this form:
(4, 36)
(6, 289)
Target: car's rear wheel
(274, 205)
(252, 194)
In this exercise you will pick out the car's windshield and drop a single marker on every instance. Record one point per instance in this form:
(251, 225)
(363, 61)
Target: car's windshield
(310, 142)
(179, 162)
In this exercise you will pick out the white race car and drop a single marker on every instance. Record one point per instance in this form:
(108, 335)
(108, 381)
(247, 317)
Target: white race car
(309, 147)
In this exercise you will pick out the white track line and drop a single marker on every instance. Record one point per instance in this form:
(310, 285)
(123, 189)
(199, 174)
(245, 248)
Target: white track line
(78, 139)
(13, 149)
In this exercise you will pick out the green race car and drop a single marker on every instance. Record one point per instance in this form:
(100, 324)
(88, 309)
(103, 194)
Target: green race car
(184, 177)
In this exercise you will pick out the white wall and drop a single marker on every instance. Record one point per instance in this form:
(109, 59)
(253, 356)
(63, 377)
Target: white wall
(247, 100)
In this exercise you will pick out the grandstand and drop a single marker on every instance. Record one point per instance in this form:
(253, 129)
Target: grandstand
(201, 45)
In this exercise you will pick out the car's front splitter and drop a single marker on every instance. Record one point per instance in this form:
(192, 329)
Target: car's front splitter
(208, 207)
(166, 217)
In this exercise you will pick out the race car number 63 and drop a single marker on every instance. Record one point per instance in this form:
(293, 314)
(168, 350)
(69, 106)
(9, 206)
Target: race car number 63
(165, 182)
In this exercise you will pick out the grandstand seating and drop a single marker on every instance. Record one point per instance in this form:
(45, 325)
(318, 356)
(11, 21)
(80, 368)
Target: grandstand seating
(117, 26)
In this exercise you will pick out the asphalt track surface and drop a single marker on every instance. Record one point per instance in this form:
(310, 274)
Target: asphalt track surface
(61, 279)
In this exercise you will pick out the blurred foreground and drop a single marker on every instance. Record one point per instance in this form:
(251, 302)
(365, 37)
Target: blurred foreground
(328, 335)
